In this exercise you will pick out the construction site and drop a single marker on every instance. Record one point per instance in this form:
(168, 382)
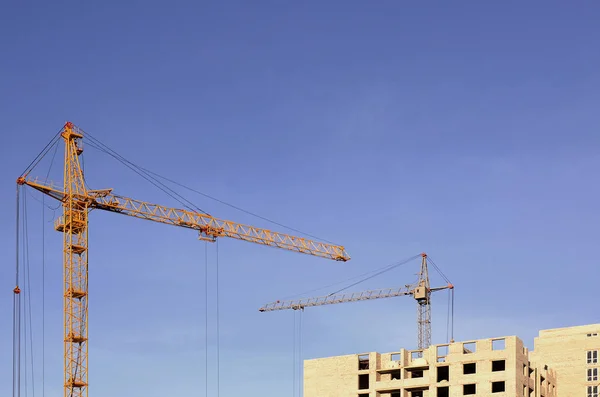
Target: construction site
(299, 199)
(564, 362)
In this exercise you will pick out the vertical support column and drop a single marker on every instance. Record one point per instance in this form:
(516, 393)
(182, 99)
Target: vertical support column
(74, 225)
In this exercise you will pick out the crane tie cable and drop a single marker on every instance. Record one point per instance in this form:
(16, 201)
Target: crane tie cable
(170, 192)
(237, 208)
(384, 269)
(16, 386)
(146, 174)
(43, 153)
(387, 269)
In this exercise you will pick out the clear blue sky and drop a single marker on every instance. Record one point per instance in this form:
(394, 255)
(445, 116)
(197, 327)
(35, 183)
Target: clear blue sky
(468, 130)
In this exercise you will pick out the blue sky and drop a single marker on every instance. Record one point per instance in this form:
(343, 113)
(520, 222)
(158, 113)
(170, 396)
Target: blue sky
(467, 130)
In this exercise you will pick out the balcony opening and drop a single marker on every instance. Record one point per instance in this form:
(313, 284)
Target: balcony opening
(363, 381)
(363, 362)
(443, 373)
(417, 373)
(397, 374)
(470, 347)
(443, 391)
(498, 344)
(469, 368)
(498, 365)
(469, 389)
(498, 387)
(442, 352)
(416, 392)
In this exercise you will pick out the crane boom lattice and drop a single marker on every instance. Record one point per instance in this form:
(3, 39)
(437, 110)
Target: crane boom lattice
(333, 299)
(421, 291)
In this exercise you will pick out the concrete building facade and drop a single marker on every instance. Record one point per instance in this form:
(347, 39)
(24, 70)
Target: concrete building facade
(565, 363)
(574, 353)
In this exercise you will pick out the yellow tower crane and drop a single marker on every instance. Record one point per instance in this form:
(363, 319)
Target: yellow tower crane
(77, 201)
(421, 291)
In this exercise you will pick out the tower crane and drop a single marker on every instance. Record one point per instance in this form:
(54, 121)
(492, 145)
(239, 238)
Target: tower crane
(77, 201)
(421, 292)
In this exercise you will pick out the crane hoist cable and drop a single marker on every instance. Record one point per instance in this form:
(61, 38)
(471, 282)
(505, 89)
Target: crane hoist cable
(28, 318)
(217, 320)
(16, 370)
(294, 355)
(206, 316)
(43, 232)
(23, 346)
(218, 325)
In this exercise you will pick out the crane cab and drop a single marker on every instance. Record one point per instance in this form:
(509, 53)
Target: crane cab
(420, 293)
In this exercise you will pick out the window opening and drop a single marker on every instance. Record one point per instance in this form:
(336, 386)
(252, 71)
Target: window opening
(592, 374)
(443, 373)
(469, 389)
(363, 381)
(469, 368)
(498, 387)
(498, 365)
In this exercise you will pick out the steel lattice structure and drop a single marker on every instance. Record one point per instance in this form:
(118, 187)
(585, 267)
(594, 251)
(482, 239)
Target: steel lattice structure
(421, 291)
(78, 201)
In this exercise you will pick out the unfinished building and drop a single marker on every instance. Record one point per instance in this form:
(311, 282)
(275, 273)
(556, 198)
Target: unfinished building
(564, 364)
(480, 367)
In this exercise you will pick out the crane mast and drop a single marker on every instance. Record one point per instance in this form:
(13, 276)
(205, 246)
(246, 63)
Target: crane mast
(421, 291)
(77, 201)
(74, 225)
(423, 297)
